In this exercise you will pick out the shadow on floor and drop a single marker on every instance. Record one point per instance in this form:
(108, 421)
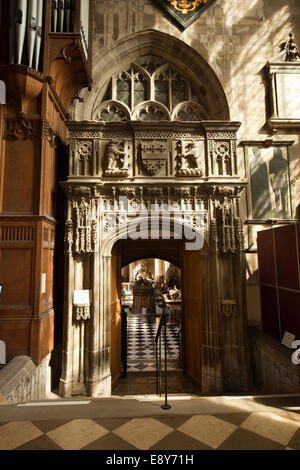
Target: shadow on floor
(137, 383)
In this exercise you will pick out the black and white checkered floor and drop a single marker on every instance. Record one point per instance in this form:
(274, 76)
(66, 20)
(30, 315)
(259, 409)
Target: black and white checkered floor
(141, 331)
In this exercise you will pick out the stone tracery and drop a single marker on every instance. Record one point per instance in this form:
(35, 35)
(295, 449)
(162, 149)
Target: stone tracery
(152, 91)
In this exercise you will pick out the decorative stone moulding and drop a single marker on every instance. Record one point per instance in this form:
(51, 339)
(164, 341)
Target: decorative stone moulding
(189, 111)
(151, 111)
(116, 172)
(190, 172)
(81, 230)
(112, 111)
(139, 150)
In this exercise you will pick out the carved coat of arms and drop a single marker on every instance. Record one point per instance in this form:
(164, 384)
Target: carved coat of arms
(185, 12)
(185, 6)
(153, 158)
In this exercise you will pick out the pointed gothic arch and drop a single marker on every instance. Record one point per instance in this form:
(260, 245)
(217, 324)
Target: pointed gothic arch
(165, 50)
(181, 154)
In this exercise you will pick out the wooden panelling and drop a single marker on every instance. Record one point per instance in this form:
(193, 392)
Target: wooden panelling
(15, 334)
(278, 254)
(115, 316)
(286, 257)
(13, 233)
(42, 337)
(192, 331)
(21, 176)
(266, 259)
(16, 275)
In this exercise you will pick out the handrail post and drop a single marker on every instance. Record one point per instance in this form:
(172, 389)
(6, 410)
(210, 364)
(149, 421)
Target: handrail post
(159, 364)
(166, 406)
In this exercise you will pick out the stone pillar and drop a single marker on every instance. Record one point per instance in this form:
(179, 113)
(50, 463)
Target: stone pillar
(103, 386)
(67, 381)
(94, 349)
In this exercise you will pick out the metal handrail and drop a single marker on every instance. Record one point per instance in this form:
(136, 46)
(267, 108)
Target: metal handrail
(162, 323)
(180, 357)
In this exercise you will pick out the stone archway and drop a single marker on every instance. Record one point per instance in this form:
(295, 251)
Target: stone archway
(216, 350)
(146, 154)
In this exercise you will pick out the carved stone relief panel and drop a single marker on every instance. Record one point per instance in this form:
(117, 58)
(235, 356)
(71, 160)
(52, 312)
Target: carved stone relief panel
(116, 158)
(189, 158)
(226, 229)
(81, 228)
(222, 158)
(83, 160)
(222, 152)
(84, 156)
(152, 158)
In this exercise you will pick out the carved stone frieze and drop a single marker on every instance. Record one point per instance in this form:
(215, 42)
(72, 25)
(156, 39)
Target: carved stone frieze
(182, 191)
(127, 191)
(154, 192)
(84, 191)
(221, 135)
(165, 134)
(85, 134)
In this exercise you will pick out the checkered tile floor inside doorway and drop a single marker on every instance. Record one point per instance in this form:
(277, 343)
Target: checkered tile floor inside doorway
(141, 331)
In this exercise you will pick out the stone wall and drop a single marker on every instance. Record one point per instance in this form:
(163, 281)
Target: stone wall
(21, 381)
(273, 370)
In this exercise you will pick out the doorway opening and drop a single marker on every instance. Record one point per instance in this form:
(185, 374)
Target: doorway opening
(148, 286)
(147, 277)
